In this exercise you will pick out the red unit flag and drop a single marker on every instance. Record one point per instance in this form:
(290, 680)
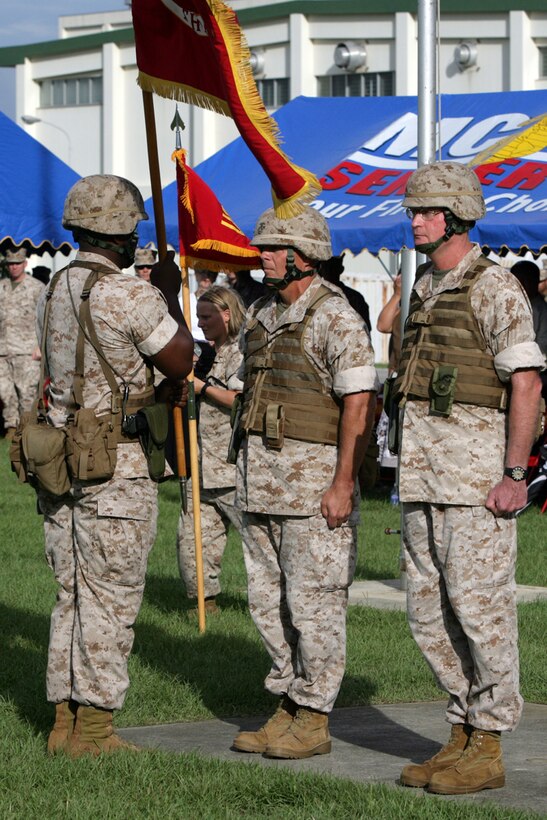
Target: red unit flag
(208, 237)
(194, 51)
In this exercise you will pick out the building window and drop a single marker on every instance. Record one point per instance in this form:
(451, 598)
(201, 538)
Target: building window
(76, 91)
(274, 93)
(379, 84)
(543, 61)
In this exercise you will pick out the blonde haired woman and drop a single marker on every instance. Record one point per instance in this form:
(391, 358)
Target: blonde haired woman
(220, 314)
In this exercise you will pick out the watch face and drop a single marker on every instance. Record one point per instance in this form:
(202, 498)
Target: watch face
(517, 473)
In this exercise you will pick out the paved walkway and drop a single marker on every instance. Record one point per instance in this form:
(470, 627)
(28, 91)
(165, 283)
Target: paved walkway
(371, 744)
(390, 594)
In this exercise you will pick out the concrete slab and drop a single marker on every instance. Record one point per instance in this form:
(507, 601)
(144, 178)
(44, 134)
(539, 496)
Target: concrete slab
(390, 594)
(371, 744)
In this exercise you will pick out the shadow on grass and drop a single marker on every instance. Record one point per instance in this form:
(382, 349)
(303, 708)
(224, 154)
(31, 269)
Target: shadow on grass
(225, 671)
(23, 647)
(168, 594)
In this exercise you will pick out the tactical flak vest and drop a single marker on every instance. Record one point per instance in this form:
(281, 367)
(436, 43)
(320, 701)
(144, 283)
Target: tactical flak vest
(444, 346)
(283, 394)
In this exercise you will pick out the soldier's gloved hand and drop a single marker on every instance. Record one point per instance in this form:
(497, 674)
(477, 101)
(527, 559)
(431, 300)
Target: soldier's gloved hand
(166, 275)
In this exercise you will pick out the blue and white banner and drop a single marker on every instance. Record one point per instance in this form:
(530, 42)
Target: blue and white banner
(364, 149)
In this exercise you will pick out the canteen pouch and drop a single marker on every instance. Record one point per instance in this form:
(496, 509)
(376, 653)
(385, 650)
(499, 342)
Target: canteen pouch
(442, 389)
(153, 436)
(44, 454)
(91, 445)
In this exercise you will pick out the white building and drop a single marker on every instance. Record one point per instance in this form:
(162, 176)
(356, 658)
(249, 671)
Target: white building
(82, 94)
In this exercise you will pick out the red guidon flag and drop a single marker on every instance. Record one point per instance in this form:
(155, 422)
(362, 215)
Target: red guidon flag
(208, 237)
(194, 51)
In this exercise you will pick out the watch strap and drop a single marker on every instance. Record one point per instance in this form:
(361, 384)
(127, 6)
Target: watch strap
(517, 473)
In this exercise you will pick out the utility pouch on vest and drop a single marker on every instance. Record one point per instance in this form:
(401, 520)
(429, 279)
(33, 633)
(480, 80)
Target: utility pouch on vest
(44, 455)
(91, 444)
(442, 389)
(153, 435)
(275, 426)
(237, 434)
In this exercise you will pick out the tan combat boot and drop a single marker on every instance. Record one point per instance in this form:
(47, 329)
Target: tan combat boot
(277, 725)
(59, 737)
(418, 775)
(94, 734)
(210, 605)
(479, 767)
(307, 735)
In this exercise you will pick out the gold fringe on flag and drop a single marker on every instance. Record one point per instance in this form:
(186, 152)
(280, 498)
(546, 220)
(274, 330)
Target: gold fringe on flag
(182, 93)
(240, 56)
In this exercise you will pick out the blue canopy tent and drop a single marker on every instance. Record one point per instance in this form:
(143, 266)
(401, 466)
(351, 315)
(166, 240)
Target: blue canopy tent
(34, 186)
(363, 149)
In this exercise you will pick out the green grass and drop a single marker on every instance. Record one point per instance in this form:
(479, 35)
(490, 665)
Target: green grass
(178, 675)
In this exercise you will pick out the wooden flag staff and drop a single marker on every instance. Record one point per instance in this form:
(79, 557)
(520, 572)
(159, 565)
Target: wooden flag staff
(155, 182)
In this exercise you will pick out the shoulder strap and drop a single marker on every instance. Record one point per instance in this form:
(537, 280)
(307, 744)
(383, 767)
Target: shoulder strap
(43, 352)
(86, 330)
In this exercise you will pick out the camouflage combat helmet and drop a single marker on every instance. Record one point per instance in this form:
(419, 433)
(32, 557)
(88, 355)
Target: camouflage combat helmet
(16, 257)
(104, 204)
(145, 257)
(446, 185)
(308, 232)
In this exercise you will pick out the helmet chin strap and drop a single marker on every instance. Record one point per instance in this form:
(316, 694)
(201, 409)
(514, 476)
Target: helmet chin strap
(125, 249)
(453, 225)
(292, 273)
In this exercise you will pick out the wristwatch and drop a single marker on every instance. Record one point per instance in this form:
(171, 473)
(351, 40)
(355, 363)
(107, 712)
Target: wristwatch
(204, 389)
(516, 473)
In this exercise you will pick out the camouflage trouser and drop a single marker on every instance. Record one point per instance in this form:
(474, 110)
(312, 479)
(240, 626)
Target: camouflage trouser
(298, 575)
(217, 512)
(462, 608)
(19, 377)
(97, 542)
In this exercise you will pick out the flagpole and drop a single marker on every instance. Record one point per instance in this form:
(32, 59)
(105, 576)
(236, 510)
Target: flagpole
(161, 237)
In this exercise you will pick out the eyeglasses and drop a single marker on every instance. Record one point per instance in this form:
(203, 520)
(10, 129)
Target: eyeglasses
(427, 213)
(143, 267)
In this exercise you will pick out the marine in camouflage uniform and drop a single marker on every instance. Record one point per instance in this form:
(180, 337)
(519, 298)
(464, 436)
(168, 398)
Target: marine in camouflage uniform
(217, 478)
(19, 350)
(463, 456)
(309, 404)
(99, 534)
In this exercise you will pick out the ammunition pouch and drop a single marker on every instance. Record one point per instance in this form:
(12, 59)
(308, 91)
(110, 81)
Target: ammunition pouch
(274, 426)
(152, 424)
(442, 390)
(91, 446)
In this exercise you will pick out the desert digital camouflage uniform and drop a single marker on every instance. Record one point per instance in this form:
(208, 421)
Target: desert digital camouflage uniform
(217, 480)
(19, 373)
(302, 619)
(99, 535)
(447, 467)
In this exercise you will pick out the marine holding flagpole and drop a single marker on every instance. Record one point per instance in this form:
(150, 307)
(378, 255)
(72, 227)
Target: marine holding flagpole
(102, 333)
